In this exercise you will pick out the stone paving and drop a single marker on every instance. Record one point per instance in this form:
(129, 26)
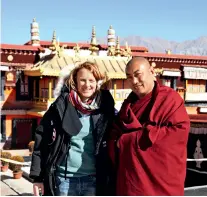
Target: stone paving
(6, 190)
(23, 187)
(17, 187)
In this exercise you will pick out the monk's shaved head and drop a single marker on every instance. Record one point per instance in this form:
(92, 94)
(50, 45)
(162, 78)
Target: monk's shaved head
(138, 60)
(140, 76)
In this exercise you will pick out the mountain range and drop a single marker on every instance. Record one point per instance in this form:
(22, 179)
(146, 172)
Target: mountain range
(188, 47)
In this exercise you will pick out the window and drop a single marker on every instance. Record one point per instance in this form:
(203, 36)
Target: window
(196, 86)
(24, 86)
(206, 85)
(44, 92)
(34, 88)
(44, 88)
(169, 81)
(119, 84)
(166, 82)
(54, 83)
(2, 86)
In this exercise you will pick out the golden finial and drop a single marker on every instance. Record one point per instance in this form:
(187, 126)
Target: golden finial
(54, 38)
(126, 45)
(55, 46)
(60, 50)
(93, 48)
(54, 35)
(77, 49)
(168, 51)
(58, 43)
(127, 51)
(117, 50)
(54, 42)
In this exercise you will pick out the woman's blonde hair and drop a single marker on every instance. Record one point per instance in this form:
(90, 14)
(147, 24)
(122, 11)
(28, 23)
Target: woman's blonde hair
(71, 82)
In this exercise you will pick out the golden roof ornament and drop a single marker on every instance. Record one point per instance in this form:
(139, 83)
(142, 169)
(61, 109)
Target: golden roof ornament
(127, 51)
(111, 51)
(77, 49)
(117, 50)
(93, 47)
(57, 49)
(53, 43)
(168, 51)
(158, 71)
(61, 49)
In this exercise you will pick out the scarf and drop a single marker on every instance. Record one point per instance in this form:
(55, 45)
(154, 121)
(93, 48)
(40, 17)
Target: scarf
(86, 108)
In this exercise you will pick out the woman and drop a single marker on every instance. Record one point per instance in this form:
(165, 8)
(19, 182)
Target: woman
(70, 156)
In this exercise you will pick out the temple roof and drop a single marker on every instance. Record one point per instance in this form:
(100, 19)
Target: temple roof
(70, 45)
(113, 67)
(20, 47)
(176, 58)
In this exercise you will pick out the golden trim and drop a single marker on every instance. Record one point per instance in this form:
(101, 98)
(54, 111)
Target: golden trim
(50, 89)
(115, 90)
(33, 113)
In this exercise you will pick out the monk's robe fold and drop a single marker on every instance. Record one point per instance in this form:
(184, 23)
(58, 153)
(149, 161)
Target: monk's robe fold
(152, 133)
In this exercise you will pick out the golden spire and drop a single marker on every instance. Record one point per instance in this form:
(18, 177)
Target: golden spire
(54, 37)
(127, 51)
(168, 51)
(93, 48)
(117, 50)
(126, 45)
(77, 49)
(54, 42)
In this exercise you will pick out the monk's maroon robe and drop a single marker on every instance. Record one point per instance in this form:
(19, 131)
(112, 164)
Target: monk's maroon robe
(153, 134)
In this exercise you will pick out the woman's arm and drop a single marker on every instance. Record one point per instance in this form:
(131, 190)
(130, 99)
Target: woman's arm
(41, 151)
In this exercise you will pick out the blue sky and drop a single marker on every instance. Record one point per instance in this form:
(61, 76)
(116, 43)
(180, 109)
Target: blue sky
(176, 20)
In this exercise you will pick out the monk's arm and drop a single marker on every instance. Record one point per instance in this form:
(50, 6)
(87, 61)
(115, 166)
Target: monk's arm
(173, 132)
(177, 126)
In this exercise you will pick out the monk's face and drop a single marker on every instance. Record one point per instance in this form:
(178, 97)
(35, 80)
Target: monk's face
(140, 77)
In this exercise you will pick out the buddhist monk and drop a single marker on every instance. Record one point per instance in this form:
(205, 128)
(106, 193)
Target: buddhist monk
(148, 142)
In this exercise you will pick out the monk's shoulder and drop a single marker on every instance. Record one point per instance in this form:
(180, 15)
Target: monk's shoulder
(168, 92)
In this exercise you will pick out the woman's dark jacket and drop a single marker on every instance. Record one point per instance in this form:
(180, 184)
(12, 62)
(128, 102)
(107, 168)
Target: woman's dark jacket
(52, 141)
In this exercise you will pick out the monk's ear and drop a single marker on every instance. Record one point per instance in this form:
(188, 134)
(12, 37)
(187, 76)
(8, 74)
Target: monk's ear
(152, 71)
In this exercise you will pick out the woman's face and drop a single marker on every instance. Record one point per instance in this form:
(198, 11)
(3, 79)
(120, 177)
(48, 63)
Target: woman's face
(86, 84)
